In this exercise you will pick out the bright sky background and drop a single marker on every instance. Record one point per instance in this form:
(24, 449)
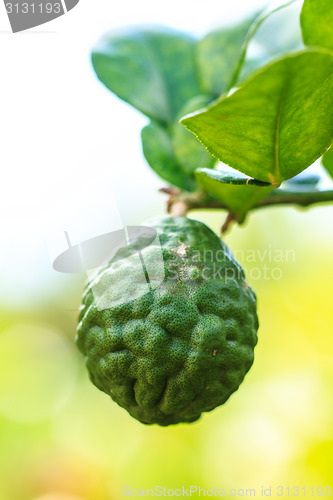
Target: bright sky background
(64, 135)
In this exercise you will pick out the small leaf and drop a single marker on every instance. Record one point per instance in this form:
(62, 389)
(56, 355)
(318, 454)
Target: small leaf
(151, 69)
(277, 123)
(327, 161)
(278, 34)
(303, 182)
(221, 53)
(280, 30)
(158, 151)
(317, 23)
(238, 192)
(189, 152)
(218, 55)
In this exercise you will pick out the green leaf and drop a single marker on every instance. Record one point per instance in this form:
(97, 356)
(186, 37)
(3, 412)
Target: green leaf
(317, 23)
(278, 34)
(158, 151)
(151, 69)
(218, 55)
(221, 53)
(278, 122)
(189, 152)
(327, 161)
(280, 30)
(303, 182)
(238, 192)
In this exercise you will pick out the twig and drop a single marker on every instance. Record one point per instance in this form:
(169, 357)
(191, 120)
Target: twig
(201, 200)
(230, 218)
(181, 202)
(303, 199)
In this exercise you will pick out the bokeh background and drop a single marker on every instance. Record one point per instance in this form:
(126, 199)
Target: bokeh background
(68, 147)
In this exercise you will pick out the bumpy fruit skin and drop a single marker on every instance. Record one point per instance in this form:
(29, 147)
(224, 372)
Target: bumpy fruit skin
(185, 346)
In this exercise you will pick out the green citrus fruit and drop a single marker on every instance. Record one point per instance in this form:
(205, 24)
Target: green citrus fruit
(169, 328)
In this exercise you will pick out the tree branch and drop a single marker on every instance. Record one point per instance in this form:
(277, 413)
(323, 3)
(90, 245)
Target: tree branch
(303, 199)
(201, 200)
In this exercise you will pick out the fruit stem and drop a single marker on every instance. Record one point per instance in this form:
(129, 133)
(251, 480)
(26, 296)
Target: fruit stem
(179, 208)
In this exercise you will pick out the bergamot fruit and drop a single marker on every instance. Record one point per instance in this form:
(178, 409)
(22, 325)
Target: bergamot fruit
(169, 326)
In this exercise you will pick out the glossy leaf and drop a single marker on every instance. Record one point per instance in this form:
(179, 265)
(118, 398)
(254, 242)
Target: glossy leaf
(317, 23)
(237, 191)
(327, 161)
(151, 69)
(158, 151)
(218, 57)
(189, 152)
(278, 122)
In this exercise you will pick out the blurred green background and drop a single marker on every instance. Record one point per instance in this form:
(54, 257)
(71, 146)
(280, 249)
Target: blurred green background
(62, 439)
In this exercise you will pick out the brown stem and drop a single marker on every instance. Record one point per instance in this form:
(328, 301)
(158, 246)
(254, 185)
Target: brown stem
(180, 202)
(230, 218)
(200, 200)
